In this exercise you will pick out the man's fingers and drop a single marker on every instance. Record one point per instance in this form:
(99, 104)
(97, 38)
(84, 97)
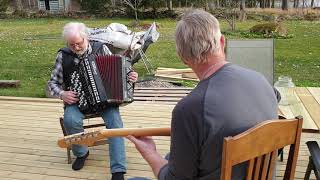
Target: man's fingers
(132, 139)
(71, 100)
(74, 93)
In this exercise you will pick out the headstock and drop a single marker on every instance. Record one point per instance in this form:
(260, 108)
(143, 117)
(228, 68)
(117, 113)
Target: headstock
(85, 138)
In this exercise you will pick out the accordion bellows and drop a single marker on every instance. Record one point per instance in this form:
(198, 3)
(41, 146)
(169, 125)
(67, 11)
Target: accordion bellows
(101, 81)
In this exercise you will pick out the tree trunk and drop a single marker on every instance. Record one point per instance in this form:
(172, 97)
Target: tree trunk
(243, 5)
(217, 4)
(135, 10)
(296, 3)
(262, 4)
(169, 4)
(207, 5)
(284, 5)
(272, 5)
(312, 3)
(242, 16)
(233, 22)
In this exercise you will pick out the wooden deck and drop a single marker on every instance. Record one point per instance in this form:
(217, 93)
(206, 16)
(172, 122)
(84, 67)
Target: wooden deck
(30, 128)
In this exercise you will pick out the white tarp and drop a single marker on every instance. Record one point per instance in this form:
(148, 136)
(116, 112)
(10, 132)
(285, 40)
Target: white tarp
(119, 36)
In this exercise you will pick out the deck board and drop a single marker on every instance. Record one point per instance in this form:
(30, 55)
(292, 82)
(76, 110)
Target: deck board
(30, 129)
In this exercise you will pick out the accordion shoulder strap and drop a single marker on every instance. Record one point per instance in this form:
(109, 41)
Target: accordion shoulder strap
(67, 51)
(96, 47)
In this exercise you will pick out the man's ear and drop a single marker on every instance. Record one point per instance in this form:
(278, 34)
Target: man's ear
(222, 42)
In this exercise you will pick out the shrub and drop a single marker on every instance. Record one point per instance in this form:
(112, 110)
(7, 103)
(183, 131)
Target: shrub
(270, 29)
(312, 17)
(94, 6)
(4, 4)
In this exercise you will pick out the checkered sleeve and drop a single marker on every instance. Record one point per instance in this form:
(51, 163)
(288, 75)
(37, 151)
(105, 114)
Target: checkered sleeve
(56, 80)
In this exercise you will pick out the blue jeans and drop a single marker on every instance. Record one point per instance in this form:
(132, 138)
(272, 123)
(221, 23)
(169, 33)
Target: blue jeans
(73, 122)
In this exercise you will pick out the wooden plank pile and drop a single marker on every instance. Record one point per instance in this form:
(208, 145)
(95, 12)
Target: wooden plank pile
(176, 74)
(169, 95)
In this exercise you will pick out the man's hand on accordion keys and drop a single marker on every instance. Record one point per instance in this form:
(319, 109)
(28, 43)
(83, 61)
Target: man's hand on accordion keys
(133, 76)
(69, 97)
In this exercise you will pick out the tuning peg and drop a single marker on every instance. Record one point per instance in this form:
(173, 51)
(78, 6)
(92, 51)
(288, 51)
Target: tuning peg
(68, 141)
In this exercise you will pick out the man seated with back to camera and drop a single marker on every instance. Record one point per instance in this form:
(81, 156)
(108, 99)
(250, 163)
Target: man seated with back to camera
(76, 37)
(228, 100)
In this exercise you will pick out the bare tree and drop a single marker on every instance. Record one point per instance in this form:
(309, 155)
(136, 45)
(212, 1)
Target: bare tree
(134, 6)
(230, 13)
(312, 3)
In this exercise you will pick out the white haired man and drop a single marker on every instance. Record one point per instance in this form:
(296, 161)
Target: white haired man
(79, 47)
(227, 101)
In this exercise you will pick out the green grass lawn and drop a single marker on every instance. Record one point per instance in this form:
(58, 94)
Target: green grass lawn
(28, 48)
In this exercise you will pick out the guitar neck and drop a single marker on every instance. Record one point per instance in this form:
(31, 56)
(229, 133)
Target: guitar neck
(135, 132)
(89, 138)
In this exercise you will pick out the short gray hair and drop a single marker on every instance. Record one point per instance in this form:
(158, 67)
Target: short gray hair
(197, 36)
(75, 28)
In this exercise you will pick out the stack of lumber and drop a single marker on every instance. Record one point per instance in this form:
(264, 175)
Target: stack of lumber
(169, 95)
(176, 74)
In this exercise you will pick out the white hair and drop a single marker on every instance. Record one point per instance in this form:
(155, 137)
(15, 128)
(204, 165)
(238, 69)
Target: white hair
(73, 29)
(197, 36)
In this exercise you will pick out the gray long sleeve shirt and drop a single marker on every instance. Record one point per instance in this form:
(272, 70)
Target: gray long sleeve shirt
(230, 101)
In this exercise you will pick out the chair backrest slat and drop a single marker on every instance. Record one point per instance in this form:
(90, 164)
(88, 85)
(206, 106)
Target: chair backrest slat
(272, 164)
(257, 168)
(260, 145)
(265, 167)
(250, 169)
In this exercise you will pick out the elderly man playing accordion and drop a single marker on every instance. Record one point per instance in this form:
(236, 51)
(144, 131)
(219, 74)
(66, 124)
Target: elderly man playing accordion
(76, 37)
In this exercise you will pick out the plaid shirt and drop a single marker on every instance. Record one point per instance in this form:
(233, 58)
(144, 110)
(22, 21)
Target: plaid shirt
(55, 83)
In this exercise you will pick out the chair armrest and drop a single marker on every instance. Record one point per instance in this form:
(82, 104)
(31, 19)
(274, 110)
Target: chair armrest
(315, 153)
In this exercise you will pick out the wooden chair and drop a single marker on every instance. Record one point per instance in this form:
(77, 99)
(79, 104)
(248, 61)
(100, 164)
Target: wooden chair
(314, 160)
(273, 134)
(87, 117)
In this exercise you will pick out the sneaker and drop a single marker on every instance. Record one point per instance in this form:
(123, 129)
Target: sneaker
(118, 176)
(79, 162)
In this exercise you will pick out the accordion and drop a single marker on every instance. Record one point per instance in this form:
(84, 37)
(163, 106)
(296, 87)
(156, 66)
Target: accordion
(102, 81)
